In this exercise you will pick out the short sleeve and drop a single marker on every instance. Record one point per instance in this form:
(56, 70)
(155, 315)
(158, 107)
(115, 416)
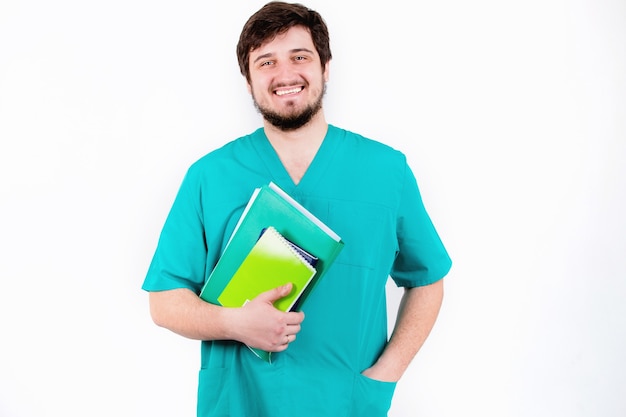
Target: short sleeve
(422, 258)
(180, 257)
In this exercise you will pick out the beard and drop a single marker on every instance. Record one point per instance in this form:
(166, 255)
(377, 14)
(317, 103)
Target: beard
(295, 119)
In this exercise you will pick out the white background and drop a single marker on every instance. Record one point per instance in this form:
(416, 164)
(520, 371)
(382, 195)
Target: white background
(512, 115)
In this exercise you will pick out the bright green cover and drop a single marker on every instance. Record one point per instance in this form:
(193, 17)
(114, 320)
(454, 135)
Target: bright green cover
(272, 262)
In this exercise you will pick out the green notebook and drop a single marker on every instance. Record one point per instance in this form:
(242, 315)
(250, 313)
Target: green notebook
(272, 262)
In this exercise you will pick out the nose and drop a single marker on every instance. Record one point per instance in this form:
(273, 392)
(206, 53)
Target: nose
(285, 75)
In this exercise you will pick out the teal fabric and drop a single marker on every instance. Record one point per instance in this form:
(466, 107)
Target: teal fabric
(365, 192)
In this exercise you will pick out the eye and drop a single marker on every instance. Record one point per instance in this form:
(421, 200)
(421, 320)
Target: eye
(266, 63)
(300, 58)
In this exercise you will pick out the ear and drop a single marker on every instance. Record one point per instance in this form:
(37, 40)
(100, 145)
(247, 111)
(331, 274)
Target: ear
(326, 71)
(249, 87)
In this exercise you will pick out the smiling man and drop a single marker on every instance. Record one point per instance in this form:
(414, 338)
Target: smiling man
(338, 361)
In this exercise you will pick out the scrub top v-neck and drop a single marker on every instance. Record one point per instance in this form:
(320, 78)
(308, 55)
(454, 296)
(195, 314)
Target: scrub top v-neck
(314, 173)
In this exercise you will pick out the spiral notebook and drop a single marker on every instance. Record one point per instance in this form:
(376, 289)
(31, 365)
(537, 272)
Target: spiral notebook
(272, 262)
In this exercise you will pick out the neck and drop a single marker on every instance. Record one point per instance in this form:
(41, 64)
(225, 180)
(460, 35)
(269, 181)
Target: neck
(297, 148)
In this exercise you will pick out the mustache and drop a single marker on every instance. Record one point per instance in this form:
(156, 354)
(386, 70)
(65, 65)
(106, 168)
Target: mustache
(288, 84)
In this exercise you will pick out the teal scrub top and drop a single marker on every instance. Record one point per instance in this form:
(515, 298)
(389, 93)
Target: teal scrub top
(364, 191)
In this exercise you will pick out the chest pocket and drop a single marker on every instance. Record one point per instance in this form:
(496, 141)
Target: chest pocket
(367, 230)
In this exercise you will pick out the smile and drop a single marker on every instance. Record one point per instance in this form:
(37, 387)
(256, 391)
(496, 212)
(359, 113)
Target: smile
(294, 90)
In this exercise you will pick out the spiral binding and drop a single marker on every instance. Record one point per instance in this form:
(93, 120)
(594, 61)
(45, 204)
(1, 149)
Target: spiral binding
(295, 249)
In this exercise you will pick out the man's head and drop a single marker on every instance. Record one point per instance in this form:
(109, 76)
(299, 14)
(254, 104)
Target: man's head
(284, 54)
(276, 18)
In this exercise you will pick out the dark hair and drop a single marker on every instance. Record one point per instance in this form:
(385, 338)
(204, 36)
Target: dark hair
(276, 18)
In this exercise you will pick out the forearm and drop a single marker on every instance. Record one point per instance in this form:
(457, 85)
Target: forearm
(183, 312)
(416, 317)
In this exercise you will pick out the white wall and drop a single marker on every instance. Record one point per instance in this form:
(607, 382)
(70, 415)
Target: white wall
(512, 114)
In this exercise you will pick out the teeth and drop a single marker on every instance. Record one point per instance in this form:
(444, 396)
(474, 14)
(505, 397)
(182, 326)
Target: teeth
(291, 91)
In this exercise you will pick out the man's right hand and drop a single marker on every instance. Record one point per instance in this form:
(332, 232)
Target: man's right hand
(260, 325)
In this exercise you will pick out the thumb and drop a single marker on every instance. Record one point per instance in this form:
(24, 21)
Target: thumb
(276, 293)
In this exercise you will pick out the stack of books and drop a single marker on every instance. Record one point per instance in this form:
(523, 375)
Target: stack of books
(276, 241)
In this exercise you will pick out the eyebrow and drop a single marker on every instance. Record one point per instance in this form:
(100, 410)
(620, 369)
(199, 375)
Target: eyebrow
(269, 54)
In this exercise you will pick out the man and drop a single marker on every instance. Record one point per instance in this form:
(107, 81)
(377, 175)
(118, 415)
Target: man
(337, 362)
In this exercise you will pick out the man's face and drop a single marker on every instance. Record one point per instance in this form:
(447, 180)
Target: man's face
(287, 80)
